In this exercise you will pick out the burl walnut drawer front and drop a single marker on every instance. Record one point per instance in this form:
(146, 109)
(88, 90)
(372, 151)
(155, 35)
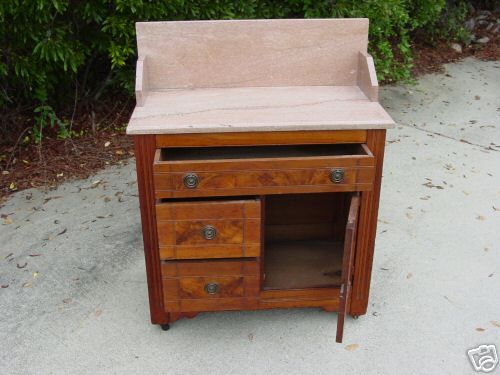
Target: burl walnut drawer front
(218, 171)
(210, 285)
(209, 229)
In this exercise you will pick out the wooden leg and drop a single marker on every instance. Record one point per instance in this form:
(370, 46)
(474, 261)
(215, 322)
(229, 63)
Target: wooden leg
(145, 147)
(367, 229)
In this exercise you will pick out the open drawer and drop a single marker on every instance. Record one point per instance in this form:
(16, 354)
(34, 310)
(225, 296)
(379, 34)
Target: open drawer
(223, 171)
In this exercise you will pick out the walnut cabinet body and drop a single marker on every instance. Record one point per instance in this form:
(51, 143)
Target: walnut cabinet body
(219, 247)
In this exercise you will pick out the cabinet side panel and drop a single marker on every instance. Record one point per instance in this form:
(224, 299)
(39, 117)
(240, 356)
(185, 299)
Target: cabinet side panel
(367, 228)
(145, 147)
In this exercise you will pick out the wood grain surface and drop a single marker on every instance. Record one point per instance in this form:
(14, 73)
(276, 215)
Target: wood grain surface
(181, 225)
(260, 138)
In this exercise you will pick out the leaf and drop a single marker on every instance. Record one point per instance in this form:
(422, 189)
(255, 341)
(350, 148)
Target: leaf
(480, 217)
(107, 144)
(12, 186)
(50, 198)
(22, 266)
(62, 232)
(35, 255)
(6, 220)
(479, 329)
(351, 347)
(429, 184)
(495, 323)
(27, 285)
(3, 286)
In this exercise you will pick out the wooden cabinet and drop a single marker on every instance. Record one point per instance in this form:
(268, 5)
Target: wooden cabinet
(259, 167)
(242, 238)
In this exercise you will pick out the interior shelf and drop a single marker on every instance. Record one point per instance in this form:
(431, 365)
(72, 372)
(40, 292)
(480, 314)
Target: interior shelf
(303, 264)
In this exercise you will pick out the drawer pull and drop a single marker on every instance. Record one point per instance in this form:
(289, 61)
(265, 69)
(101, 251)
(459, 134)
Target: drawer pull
(211, 288)
(190, 180)
(209, 232)
(337, 175)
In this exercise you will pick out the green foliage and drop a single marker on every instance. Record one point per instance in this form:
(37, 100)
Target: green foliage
(450, 23)
(56, 52)
(45, 117)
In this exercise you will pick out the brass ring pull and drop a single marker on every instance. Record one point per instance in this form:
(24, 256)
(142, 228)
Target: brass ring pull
(211, 288)
(209, 232)
(190, 180)
(337, 175)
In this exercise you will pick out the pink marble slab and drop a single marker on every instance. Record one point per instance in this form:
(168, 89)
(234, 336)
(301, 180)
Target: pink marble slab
(235, 53)
(255, 75)
(257, 109)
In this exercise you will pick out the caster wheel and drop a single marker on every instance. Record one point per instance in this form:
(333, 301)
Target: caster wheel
(165, 327)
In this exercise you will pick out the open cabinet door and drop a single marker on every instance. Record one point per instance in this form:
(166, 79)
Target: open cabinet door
(347, 263)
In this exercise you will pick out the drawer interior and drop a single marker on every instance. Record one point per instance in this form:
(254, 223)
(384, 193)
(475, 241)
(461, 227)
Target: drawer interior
(304, 240)
(264, 152)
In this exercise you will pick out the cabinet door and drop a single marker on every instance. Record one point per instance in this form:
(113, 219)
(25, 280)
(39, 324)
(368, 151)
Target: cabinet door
(347, 263)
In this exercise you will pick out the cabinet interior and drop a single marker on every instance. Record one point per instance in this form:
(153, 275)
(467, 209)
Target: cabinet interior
(304, 240)
(255, 152)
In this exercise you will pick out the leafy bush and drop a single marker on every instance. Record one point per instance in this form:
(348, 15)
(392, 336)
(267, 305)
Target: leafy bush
(58, 52)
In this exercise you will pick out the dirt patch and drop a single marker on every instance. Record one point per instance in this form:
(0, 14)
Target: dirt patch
(431, 58)
(27, 165)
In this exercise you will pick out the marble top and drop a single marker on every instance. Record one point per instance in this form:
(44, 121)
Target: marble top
(255, 75)
(257, 109)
